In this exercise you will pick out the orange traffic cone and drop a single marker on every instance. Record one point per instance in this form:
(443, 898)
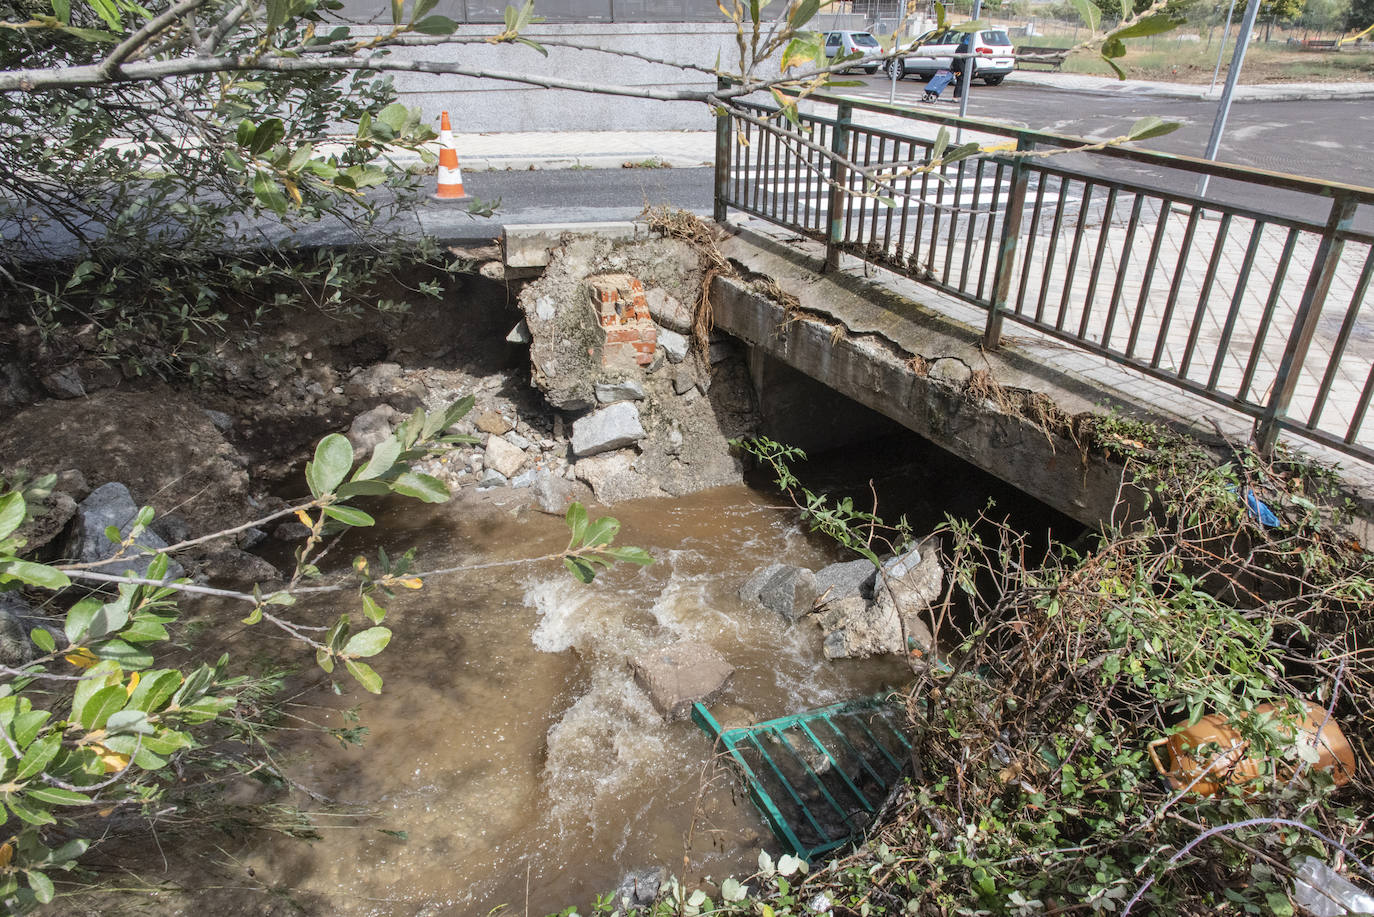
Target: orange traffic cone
(450, 176)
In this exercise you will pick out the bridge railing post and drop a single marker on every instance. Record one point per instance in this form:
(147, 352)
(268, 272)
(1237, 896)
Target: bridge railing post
(839, 180)
(1006, 251)
(1268, 426)
(724, 153)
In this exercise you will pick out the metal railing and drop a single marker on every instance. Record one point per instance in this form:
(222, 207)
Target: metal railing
(1253, 297)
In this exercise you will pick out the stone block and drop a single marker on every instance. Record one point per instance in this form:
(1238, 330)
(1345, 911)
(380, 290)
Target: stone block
(624, 390)
(844, 580)
(112, 505)
(675, 346)
(492, 422)
(502, 456)
(679, 675)
(790, 591)
(612, 427)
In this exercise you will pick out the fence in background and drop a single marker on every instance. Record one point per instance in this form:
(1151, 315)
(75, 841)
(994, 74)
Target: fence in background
(1254, 297)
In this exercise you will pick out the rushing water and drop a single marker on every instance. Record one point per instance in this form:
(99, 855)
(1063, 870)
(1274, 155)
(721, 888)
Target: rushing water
(511, 744)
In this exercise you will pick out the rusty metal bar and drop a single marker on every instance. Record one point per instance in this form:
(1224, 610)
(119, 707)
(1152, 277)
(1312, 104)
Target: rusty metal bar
(1103, 233)
(1305, 324)
(1121, 268)
(839, 145)
(1333, 365)
(1006, 249)
(1205, 294)
(1270, 305)
(1073, 253)
(1237, 300)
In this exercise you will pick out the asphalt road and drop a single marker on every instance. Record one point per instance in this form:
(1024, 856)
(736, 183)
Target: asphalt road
(1323, 139)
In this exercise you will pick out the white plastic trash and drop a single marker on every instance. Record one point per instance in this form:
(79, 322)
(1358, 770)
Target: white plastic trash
(1326, 893)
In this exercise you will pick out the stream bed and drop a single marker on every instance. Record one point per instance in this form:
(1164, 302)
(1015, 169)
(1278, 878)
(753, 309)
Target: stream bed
(511, 744)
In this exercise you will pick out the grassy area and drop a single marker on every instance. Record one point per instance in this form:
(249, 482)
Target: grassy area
(1176, 59)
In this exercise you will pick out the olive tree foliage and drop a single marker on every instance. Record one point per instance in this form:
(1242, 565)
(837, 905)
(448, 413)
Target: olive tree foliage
(91, 724)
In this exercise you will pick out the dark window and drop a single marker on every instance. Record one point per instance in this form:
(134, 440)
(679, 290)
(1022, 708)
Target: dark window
(864, 40)
(996, 38)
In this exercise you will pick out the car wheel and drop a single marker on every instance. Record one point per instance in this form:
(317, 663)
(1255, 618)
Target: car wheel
(994, 80)
(871, 70)
(896, 69)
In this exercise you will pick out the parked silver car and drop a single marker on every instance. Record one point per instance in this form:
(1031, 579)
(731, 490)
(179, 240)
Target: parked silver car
(844, 44)
(935, 51)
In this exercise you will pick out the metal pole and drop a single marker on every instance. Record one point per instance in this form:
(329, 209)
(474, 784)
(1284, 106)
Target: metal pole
(1225, 33)
(724, 149)
(966, 78)
(839, 179)
(1247, 25)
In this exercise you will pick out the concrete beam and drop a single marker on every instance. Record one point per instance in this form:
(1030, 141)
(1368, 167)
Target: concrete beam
(527, 245)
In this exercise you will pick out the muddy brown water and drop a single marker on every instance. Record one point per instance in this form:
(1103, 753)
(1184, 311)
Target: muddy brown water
(511, 743)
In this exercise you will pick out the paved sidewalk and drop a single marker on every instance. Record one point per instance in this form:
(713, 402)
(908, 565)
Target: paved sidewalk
(1275, 92)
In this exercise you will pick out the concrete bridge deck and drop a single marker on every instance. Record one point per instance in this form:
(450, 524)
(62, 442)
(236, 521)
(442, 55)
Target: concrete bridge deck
(908, 352)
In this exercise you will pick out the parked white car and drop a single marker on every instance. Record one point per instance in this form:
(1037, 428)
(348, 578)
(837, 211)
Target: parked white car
(935, 51)
(844, 44)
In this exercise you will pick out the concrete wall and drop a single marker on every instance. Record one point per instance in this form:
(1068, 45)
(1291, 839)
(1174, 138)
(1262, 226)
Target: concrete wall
(481, 105)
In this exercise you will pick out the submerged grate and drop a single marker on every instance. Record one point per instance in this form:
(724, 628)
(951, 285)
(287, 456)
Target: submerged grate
(817, 777)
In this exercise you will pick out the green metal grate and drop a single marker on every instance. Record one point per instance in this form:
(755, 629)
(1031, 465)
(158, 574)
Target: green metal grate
(817, 777)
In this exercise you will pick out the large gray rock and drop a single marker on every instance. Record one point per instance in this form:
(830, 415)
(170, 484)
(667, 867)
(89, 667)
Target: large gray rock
(912, 580)
(503, 456)
(371, 427)
(639, 889)
(623, 390)
(112, 505)
(16, 621)
(552, 494)
(613, 478)
(675, 346)
(668, 310)
(891, 618)
(373, 381)
(677, 676)
(845, 580)
(855, 627)
(790, 591)
(612, 427)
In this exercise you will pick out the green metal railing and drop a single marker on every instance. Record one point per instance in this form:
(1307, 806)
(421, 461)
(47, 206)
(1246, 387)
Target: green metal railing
(1254, 297)
(816, 777)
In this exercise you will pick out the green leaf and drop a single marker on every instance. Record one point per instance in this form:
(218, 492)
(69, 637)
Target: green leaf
(349, 516)
(365, 675)
(422, 7)
(126, 654)
(37, 757)
(631, 555)
(41, 885)
(963, 151)
(102, 705)
(577, 521)
(42, 638)
(1151, 25)
(108, 12)
(266, 191)
(375, 613)
(384, 456)
(25, 813)
(1113, 47)
(362, 489)
(26, 726)
(277, 11)
(1088, 13)
(435, 25)
(422, 487)
(941, 143)
(266, 136)
(803, 14)
(244, 135)
(1152, 126)
(153, 691)
(12, 509)
(128, 721)
(62, 9)
(324, 660)
(1120, 74)
(583, 571)
(601, 532)
(731, 890)
(368, 643)
(333, 459)
(99, 35)
(56, 796)
(396, 7)
(40, 575)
